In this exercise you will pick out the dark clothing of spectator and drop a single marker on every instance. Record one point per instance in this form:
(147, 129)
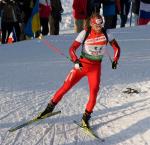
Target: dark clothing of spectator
(10, 21)
(110, 22)
(135, 6)
(146, 1)
(125, 7)
(93, 6)
(55, 16)
(27, 9)
(1, 6)
(135, 9)
(110, 10)
(44, 25)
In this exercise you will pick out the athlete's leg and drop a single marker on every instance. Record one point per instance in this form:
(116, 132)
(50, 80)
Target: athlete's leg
(94, 82)
(73, 77)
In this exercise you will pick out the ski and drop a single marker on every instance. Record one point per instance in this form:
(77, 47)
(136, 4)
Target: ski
(89, 131)
(36, 119)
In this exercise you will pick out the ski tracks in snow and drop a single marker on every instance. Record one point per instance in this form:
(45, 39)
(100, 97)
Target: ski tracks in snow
(126, 118)
(119, 118)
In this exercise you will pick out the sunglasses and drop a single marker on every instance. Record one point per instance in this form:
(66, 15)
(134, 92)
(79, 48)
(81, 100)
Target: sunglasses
(97, 21)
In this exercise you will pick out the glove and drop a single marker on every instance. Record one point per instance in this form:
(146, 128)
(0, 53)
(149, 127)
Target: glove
(114, 64)
(78, 64)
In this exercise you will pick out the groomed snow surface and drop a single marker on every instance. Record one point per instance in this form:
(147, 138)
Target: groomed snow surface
(31, 71)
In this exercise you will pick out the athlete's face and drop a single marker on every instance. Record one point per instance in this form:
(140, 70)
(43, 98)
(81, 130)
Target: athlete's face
(97, 28)
(96, 24)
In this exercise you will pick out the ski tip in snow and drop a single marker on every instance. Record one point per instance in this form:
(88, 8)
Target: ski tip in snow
(89, 131)
(36, 119)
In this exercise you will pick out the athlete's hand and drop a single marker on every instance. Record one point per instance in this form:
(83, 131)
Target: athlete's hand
(114, 64)
(78, 64)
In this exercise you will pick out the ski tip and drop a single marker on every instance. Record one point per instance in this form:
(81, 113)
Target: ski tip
(32, 121)
(11, 130)
(89, 131)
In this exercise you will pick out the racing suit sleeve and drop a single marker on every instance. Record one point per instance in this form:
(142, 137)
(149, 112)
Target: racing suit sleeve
(116, 48)
(75, 45)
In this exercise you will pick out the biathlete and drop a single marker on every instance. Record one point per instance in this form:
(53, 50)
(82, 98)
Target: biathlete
(89, 65)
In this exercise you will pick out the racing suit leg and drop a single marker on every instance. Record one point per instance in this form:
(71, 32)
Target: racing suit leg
(94, 82)
(73, 77)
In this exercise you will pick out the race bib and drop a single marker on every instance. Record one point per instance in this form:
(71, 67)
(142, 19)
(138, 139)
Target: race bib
(94, 50)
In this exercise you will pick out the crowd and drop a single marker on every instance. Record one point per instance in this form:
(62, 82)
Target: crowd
(111, 10)
(16, 13)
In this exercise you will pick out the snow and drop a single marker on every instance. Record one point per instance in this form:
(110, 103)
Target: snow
(31, 71)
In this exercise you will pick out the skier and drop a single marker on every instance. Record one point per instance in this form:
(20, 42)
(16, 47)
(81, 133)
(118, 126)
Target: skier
(89, 64)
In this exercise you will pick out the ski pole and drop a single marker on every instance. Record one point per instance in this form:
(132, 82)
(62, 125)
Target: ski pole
(55, 49)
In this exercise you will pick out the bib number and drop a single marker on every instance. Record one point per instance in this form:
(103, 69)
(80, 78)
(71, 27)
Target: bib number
(94, 50)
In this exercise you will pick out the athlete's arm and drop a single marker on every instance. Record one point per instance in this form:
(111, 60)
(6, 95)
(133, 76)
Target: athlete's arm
(72, 50)
(75, 45)
(116, 48)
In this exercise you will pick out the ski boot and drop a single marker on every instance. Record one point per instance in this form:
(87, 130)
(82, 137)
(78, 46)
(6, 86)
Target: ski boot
(85, 119)
(49, 109)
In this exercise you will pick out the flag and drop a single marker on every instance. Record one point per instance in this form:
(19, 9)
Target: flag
(33, 24)
(144, 13)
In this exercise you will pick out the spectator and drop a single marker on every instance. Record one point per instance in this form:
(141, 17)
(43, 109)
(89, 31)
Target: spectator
(18, 23)
(135, 10)
(20, 4)
(55, 17)
(2, 3)
(93, 6)
(27, 6)
(27, 9)
(125, 8)
(79, 14)
(10, 21)
(45, 10)
(144, 17)
(110, 10)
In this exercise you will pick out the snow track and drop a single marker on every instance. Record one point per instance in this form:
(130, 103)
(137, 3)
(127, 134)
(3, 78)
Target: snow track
(30, 73)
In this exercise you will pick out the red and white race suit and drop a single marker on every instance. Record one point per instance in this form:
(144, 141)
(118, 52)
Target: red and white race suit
(92, 53)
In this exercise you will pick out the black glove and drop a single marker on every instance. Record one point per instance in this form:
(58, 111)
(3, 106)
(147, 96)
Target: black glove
(114, 64)
(78, 64)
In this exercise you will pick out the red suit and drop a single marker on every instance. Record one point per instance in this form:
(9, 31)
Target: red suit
(91, 58)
